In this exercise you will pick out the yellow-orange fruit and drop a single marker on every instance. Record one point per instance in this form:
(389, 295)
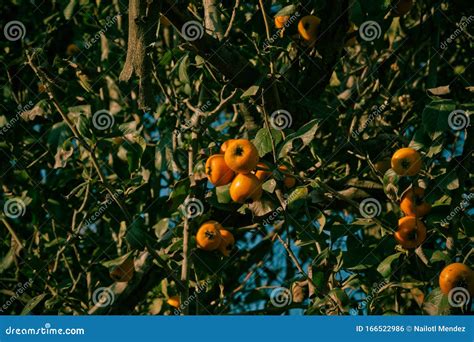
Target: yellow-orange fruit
(411, 232)
(208, 236)
(217, 170)
(308, 27)
(406, 162)
(456, 275)
(227, 242)
(245, 187)
(413, 204)
(241, 156)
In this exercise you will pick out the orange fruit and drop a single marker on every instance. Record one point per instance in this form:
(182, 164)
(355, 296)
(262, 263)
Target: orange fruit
(402, 7)
(263, 172)
(288, 181)
(406, 162)
(245, 187)
(72, 49)
(227, 242)
(308, 27)
(123, 272)
(217, 170)
(456, 275)
(241, 156)
(174, 301)
(411, 232)
(208, 236)
(412, 203)
(225, 145)
(280, 21)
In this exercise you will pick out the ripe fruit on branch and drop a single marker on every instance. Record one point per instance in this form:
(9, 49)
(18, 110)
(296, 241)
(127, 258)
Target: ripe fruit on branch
(241, 156)
(308, 27)
(263, 172)
(208, 236)
(411, 232)
(402, 7)
(245, 187)
(224, 145)
(289, 181)
(227, 242)
(456, 275)
(413, 204)
(123, 272)
(280, 21)
(217, 170)
(406, 162)
(174, 301)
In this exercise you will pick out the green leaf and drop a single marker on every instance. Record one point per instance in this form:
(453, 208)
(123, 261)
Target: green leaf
(287, 10)
(183, 70)
(436, 303)
(252, 91)
(297, 198)
(117, 261)
(305, 133)
(435, 117)
(161, 228)
(385, 267)
(263, 140)
(32, 304)
(223, 194)
(69, 10)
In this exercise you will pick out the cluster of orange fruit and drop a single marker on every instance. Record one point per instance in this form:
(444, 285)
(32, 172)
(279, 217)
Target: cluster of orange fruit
(212, 236)
(411, 231)
(238, 164)
(456, 275)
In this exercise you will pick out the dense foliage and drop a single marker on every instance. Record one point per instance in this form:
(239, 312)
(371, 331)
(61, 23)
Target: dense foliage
(98, 171)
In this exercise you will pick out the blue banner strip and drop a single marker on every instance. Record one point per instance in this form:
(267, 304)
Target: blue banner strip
(237, 328)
